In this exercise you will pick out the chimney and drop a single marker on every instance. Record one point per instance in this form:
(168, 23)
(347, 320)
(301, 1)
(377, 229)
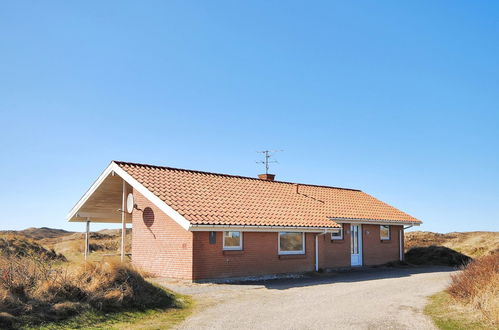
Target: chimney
(266, 177)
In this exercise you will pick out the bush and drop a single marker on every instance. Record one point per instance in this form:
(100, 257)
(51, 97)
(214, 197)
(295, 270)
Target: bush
(436, 255)
(42, 290)
(478, 286)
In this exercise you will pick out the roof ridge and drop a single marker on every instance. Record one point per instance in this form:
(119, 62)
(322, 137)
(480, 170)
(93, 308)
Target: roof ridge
(229, 175)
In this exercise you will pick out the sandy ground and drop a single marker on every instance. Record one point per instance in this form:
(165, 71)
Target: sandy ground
(367, 299)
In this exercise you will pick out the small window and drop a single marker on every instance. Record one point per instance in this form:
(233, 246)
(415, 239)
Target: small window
(213, 237)
(233, 240)
(384, 232)
(291, 243)
(336, 235)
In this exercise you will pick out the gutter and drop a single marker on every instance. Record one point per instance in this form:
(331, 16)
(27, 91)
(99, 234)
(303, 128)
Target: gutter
(317, 249)
(260, 228)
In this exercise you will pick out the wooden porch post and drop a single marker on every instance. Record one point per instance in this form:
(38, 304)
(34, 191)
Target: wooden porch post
(87, 239)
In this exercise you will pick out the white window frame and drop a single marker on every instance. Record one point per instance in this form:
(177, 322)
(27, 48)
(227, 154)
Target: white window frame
(229, 248)
(389, 233)
(338, 237)
(290, 252)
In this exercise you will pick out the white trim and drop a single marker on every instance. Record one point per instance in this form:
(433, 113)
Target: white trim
(289, 252)
(123, 223)
(90, 191)
(359, 242)
(232, 248)
(97, 215)
(389, 233)
(259, 228)
(183, 222)
(375, 222)
(337, 238)
(401, 247)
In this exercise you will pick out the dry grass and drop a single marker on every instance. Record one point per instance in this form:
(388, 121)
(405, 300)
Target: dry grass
(34, 290)
(15, 245)
(473, 244)
(477, 286)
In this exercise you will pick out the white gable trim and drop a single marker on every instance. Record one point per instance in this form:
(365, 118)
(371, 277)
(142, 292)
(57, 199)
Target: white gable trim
(177, 217)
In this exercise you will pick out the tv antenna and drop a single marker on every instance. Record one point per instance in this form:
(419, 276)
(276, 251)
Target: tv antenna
(267, 154)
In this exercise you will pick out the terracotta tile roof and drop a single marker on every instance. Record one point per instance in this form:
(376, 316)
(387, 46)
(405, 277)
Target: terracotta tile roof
(205, 198)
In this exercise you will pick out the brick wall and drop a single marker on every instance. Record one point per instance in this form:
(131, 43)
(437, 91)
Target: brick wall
(162, 247)
(159, 244)
(376, 251)
(258, 257)
(335, 253)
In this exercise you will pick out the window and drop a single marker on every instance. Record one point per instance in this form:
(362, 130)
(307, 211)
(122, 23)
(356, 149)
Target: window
(233, 240)
(291, 243)
(337, 234)
(384, 232)
(213, 237)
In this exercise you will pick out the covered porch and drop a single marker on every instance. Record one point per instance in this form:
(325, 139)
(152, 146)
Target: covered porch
(108, 200)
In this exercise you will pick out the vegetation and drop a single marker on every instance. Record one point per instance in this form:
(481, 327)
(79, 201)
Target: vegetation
(13, 245)
(472, 299)
(436, 255)
(473, 244)
(39, 289)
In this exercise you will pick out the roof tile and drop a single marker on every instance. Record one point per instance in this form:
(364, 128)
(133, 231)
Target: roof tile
(221, 199)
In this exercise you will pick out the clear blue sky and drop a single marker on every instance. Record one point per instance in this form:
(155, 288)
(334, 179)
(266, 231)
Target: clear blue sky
(399, 99)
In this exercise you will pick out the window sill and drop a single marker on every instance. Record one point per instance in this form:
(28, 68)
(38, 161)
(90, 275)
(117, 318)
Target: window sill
(292, 256)
(233, 252)
(338, 241)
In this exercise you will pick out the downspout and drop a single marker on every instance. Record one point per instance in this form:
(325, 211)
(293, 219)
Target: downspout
(317, 249)
(401, 242)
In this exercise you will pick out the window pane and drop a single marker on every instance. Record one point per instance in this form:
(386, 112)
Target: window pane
(291, 242)
(337, 235)
(232, 238)
(384, 232)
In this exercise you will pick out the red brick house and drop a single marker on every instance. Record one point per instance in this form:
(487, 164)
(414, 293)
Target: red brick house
(199, 225)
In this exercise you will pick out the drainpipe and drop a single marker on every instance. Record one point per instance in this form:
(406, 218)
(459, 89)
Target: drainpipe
(317, 249)
(401, 242)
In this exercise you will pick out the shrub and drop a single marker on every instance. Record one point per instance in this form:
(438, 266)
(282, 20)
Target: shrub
(478, 286)
(41, 290)
(436, 255)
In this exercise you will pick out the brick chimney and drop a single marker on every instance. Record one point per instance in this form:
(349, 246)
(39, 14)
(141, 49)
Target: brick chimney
(266, 177)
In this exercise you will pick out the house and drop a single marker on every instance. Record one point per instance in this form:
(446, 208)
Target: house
(199, 225)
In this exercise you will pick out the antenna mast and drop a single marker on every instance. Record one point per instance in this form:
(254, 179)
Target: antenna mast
(267, 161)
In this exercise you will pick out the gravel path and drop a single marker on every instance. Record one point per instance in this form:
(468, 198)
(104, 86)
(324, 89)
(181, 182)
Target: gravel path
(367, 299)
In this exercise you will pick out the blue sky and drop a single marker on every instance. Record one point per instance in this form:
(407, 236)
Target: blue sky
(399, 99)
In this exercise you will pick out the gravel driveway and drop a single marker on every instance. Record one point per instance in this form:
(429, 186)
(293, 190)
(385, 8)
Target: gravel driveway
(364, 299)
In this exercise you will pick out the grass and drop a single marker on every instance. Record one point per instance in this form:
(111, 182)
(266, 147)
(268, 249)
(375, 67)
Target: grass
(447, 315)
(472, 299)
(39, 293)
(473, 244)
(154, 318)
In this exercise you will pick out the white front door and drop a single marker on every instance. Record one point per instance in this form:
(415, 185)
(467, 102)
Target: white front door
(356, 244)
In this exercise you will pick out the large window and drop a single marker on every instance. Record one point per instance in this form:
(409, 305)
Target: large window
(291, 243)
(384, 233)
(233, 240)
(337, 234)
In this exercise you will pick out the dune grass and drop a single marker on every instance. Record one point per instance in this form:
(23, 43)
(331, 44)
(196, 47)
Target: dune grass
(152, 318)
(472, 299)
(36, 292)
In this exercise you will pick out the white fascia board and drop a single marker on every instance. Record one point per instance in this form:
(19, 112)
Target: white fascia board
(90, 191)
(177, 217)
(375, 221)
(113, 167)
(261, 228)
